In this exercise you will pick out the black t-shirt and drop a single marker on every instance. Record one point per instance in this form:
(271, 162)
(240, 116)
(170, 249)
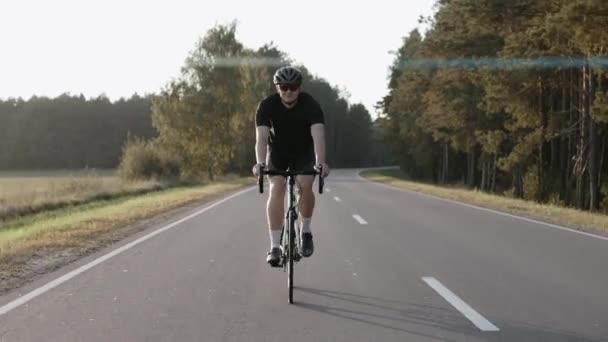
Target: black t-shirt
(290, 126)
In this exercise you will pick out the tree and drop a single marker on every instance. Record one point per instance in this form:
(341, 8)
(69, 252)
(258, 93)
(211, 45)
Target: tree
(206, 101)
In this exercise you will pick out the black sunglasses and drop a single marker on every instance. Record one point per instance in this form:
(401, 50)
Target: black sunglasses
(292, 87)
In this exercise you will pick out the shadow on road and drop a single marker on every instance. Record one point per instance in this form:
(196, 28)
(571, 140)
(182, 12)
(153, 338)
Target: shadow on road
(424, 320)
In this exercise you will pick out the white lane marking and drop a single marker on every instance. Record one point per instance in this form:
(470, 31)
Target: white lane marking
(337, 199)
(41, 290)
(359, 219)
(473, 316)
(489, 210)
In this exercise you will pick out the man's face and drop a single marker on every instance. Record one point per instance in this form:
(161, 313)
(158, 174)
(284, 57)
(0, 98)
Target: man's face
(288, 92)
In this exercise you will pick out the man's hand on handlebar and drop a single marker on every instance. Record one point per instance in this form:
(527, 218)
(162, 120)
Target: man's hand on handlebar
(323, 168)
(258, 168)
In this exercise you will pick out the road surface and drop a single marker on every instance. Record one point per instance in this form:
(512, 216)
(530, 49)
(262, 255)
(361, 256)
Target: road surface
(389, 265)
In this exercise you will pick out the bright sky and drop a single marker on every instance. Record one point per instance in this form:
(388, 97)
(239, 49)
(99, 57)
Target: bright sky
(119, 47)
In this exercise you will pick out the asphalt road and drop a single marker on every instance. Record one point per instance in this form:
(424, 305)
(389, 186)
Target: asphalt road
(389, 265)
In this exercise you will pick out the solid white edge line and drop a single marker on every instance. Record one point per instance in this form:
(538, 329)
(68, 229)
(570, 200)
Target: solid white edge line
(486, 209)
(465, 309)
(359, 219)
(41, 290)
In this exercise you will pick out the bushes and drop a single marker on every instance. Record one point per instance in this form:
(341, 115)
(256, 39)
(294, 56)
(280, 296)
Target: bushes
(146, 160)
(531, 190)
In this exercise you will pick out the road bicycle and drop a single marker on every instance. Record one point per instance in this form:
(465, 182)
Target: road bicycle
(291, 240)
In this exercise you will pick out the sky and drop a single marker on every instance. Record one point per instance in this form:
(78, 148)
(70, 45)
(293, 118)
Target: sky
(122, 47)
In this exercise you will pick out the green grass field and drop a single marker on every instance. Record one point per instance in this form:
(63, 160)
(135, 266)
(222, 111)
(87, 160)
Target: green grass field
(28, 192)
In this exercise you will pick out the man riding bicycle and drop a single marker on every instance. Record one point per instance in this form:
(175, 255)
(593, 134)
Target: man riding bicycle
(290, 126)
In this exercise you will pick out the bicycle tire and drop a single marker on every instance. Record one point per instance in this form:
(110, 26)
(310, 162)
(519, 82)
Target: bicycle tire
(290, 256)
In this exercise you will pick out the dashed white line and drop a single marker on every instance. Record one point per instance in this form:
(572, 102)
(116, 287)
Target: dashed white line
(337, 199)
(359, 219)
(473, 316)
(41, 290)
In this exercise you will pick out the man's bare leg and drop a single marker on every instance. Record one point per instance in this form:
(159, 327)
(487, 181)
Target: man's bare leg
(275, 211)
(306, 208)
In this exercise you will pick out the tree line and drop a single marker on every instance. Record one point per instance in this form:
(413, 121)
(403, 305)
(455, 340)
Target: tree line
(69, 131)
(505, 96)
(204, 119)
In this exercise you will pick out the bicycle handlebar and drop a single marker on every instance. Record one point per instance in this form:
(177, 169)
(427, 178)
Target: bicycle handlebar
(261, 174)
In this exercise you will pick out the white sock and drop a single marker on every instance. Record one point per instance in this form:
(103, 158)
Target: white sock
(306, 224)
(275, 238)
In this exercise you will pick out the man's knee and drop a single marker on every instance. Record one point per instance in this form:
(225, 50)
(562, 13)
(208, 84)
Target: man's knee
(305, 183)
(277, 187)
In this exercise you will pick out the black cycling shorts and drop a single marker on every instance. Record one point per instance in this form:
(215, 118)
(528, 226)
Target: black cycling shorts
(281, 161)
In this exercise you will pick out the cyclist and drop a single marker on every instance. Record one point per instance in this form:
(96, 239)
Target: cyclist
(290, 133)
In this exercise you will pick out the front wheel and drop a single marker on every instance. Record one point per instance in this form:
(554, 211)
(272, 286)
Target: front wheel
(290, 255)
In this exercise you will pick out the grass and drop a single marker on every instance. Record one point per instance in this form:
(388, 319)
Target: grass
(69, 226)
(35, 243)
(569, 217)
(29, 192)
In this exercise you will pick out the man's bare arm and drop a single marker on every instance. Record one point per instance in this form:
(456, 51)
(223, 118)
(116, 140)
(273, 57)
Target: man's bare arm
(318, 136)
(262, 134)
